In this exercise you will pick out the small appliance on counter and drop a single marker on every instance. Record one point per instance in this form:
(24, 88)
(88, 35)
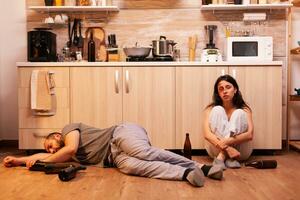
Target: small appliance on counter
(41, 45)
(211, 53)
(163, 49)
(141, 54)
(253, 48)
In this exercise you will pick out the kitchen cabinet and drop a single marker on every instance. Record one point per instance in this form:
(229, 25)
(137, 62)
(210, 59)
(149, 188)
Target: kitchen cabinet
(104, 96)
(194, 89)
(260, 86)
(262, 89)
(32, 128)
(96, 95)
(167, 100)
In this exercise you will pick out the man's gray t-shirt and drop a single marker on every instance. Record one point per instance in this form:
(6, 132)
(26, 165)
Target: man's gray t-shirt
(93, 143)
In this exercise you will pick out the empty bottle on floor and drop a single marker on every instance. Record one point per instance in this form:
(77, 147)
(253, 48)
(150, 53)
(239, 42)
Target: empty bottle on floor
(187, 149)
(262, 164)
(69, 172)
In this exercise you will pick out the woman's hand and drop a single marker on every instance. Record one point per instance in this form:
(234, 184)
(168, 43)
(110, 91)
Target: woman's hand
(222, 144)
(11, 161)
(232, 152)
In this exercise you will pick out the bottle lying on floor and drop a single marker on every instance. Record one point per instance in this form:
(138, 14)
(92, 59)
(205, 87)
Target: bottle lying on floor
(66, 171)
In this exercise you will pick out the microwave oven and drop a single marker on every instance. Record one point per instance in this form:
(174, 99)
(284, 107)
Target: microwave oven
(257, 48)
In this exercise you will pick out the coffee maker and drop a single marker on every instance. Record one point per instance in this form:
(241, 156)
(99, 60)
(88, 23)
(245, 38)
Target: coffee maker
(41, 46)
(210, 53)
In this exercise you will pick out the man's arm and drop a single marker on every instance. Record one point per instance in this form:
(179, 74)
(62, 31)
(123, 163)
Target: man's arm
(69, 150)
(11, 161)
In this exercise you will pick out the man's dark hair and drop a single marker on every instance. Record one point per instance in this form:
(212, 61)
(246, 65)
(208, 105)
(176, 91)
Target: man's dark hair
(237, 99)
(52, 136)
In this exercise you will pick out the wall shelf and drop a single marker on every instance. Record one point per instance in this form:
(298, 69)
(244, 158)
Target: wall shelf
(214, 7)
(74, 8)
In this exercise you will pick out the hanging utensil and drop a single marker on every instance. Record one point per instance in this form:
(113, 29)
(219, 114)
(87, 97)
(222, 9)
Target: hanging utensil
(69, 33)
(80, 38)
(76, 38)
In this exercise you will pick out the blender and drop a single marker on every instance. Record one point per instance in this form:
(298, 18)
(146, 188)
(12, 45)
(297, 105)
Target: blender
(211, 53)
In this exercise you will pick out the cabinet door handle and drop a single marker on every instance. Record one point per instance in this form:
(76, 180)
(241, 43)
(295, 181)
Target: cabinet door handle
(234, 73)
(127, 81)
(117, 81)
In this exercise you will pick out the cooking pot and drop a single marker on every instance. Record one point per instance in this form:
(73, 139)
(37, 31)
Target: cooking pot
(163, 47)
(137, 52)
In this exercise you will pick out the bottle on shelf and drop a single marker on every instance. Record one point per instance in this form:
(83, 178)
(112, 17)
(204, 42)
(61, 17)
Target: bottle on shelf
(262, 164)
(187, 148)
(91, 49)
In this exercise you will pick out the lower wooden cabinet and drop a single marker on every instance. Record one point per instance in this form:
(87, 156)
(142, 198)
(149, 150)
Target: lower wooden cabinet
(31, 126)
(262, 89)
(167, 101)
(194, 89)
(105, 96)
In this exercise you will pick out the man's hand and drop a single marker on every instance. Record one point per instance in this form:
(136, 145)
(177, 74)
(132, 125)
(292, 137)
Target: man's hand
(11, 161)
(30, 163)
(232, 152)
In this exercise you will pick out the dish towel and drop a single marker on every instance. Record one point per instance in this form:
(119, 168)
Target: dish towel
(43, 98)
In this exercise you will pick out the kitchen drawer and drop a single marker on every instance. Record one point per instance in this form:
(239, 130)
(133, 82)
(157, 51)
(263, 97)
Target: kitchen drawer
(34, 138)
(61, 75)
(28, 120)
(62, 97)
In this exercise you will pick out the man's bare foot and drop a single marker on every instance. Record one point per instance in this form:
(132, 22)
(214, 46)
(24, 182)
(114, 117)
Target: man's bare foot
(11, 161)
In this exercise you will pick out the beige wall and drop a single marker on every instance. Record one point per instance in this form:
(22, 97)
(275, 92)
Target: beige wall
(12, 49)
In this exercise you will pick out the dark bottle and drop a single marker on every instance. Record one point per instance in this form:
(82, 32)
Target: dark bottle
(91, 49)
(69, 172)
(262, 164)
(187, 148)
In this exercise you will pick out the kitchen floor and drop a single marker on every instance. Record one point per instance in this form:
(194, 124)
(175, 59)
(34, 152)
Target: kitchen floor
(105, 184)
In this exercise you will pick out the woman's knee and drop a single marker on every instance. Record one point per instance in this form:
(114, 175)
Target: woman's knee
(218, 110)
(239, 114)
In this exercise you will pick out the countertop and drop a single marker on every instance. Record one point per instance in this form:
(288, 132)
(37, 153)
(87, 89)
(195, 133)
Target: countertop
(115, 64)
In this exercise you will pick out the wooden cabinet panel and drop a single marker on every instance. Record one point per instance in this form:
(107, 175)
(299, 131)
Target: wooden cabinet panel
(62, 97)
(194, 89)
(61, 75)
(34, 138)
(96, 95)
(149, 100)
(262, 89)
(28, 120)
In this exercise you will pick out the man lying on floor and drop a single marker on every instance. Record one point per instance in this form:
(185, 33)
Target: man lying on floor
(125, 146)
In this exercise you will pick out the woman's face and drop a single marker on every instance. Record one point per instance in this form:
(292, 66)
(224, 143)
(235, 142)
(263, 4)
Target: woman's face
(226, 91)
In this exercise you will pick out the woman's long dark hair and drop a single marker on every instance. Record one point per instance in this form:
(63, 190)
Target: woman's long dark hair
(237, 99)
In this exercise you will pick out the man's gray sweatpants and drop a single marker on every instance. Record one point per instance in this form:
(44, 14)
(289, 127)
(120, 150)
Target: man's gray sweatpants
(219, 125)
(133, 154)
